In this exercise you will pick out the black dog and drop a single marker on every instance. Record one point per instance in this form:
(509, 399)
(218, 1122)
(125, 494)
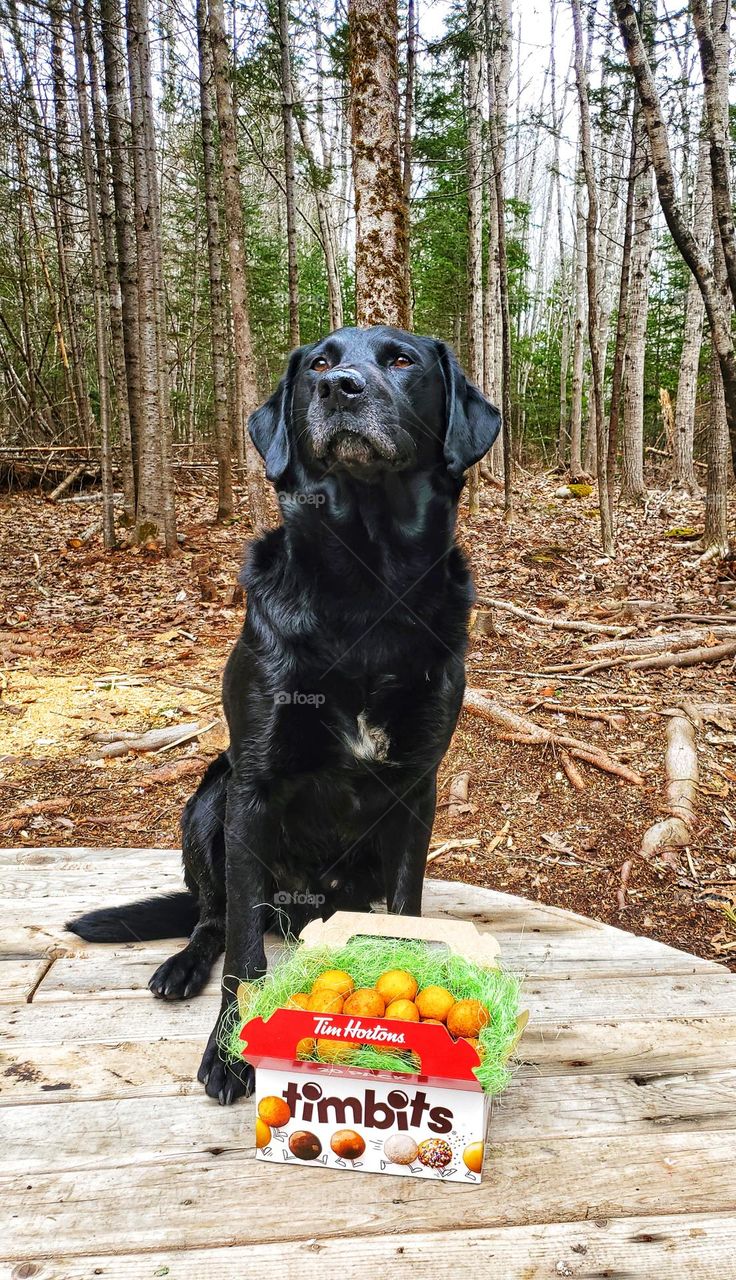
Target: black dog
(343, 690)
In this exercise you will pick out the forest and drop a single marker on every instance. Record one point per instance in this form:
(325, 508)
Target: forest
(189, 189)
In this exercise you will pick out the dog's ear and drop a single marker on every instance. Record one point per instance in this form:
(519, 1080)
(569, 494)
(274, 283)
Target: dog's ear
(269, 425)
(472, 421)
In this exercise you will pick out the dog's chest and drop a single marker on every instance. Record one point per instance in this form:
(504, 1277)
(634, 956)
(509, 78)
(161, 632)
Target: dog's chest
(367, 741)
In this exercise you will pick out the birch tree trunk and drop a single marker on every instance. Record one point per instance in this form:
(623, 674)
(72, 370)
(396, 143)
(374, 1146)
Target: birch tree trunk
(381, 216)
(687, 382)
(474, 93)
(245, 388)
(287, 116)
(225, 505)
(622, 319)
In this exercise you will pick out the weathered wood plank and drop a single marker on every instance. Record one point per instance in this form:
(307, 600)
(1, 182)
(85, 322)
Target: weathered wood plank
(695, 1246)
(201, 1199)
(35, 1071)
(121, 1131)
(39, 1072)
(98, 971)
(19, 977)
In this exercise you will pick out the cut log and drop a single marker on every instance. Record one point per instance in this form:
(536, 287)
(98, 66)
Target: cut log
(681, 771)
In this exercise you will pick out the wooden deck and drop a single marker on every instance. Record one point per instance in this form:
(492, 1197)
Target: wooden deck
(612, 1154)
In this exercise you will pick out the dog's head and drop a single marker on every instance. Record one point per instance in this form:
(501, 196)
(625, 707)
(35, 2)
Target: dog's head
(367, 401)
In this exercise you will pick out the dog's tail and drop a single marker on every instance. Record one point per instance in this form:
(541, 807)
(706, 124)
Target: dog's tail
(172, 915)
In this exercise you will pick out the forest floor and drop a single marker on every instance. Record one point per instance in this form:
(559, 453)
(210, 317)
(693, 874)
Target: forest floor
(94, 644)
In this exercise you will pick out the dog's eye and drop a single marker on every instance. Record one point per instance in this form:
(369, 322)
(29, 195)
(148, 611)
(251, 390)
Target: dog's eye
(401, 362)
(319, 364)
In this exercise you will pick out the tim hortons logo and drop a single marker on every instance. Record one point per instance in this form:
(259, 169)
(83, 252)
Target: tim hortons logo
(355, 1030)
(399, 1111)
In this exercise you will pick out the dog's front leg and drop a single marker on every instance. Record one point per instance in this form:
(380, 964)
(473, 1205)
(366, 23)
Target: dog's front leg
(404, 837)
(250, 828)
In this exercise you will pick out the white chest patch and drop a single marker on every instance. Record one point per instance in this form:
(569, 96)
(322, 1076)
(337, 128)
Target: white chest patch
(370, 742)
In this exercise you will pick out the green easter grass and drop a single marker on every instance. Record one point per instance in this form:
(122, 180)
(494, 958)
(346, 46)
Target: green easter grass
(365, 960)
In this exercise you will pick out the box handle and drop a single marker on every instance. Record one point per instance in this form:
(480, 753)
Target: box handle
(461, 936)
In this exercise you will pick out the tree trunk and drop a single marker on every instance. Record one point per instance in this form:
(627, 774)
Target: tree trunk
(622, 320)
(715, 535)
(406, 157)
(714, 50)
(114, 296)
(246, 391)
(578, 343)
(632, 436)
(692, 339)
(153, 504)
(474, 74)
(225, 505)
(381, 217)
(586, 148)
(98, 280)
(319, 178)
(118, 126)
(65, 196)
(499, 69)
(693, 254)
(287, 116)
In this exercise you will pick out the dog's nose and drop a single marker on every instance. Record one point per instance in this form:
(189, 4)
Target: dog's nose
(341, 388)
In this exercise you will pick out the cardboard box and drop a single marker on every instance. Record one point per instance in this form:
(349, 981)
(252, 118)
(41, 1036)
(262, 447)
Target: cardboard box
(431, 1124)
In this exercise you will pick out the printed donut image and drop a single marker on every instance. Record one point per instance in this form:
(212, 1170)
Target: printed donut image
(435, 1153)
(473, 1157)
(274, 1112)
(305, 1145)
(400, 1148)
(347, 1144)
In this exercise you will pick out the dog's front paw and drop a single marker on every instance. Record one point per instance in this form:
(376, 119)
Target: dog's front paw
(225, 1080)
(181, 976)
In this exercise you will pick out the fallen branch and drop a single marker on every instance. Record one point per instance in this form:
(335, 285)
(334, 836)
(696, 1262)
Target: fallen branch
(681, 770)
(655, 644)
(522, 729)
(690, 658)
(67, 482)
(555, 624)
(119, 743)
(472, 842)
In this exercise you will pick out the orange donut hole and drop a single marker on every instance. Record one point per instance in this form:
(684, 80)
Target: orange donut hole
(396, 984)
(365, 1003)
(336, 980)
(467, 1018)
(336, 1050)
(323, 1000)
(299, 1000)
(305, 1048)
(406, 1010)
(435, 1003)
